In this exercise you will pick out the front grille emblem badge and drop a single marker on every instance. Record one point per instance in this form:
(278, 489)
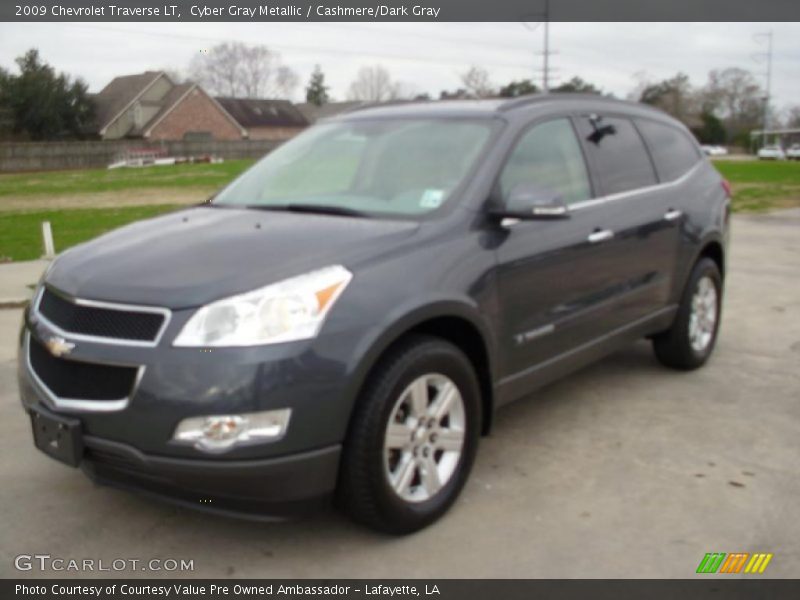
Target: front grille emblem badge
(58, 346)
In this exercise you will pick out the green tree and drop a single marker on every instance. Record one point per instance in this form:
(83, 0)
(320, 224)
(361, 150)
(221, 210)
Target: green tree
(576, 85)
(317, 91)
(518, 88)
(45, 105)
(6, 115)
(711, 131)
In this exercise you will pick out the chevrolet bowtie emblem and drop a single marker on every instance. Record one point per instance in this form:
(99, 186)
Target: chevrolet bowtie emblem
(58, 346)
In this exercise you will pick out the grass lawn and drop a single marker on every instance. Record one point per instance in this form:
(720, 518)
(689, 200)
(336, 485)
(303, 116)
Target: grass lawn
(104, 180)
(20, 228)
(21, 237)
(759, 186)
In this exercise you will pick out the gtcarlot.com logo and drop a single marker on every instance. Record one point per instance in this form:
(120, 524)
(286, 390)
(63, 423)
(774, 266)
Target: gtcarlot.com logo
(735, 562)
(46, 562)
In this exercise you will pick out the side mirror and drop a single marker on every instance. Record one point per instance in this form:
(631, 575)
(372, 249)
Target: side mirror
(530, 201)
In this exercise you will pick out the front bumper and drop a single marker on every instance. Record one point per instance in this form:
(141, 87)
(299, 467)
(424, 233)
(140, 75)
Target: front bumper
(132, 447)
(266, 488)
(270, 488)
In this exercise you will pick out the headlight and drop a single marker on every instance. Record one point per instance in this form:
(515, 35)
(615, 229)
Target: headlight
(293, 309)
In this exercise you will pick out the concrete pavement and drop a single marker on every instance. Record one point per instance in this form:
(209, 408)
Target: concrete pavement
(16, 279)
(625, 469)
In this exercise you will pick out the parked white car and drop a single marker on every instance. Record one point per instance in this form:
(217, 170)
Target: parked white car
(793, 153)
(771, 153)
(714, 150)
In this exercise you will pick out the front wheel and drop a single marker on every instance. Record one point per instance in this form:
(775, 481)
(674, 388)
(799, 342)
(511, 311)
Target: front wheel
(413, 437)
(691, 339)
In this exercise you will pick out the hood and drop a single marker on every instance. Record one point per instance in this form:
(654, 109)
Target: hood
(191, 257)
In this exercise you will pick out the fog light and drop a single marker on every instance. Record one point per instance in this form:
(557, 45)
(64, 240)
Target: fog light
(218, 433)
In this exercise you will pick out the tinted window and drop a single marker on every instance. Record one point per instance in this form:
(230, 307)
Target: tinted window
(617, 153)
(672, 151)
(549, 156)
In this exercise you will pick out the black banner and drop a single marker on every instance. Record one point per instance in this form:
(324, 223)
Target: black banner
(399, 10)
(445, 589)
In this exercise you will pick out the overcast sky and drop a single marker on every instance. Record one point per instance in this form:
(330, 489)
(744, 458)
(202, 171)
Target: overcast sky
(426, 57)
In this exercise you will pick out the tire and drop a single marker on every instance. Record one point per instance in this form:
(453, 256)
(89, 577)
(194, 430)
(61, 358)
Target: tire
(380, 485)
(690, 341)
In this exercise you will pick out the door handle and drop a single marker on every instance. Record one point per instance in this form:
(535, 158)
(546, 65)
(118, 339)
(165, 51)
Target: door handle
(601, 235)
(672, 214)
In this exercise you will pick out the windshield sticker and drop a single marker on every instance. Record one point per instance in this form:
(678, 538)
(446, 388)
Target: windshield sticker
(431, 198)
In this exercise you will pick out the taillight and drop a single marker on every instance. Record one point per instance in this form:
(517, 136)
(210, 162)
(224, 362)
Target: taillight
(727, 187)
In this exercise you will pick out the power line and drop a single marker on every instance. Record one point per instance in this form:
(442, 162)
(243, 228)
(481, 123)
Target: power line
(372, 29)
(291, 46)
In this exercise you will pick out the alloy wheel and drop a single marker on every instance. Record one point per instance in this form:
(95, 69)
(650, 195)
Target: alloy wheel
(424, 437)
(703, 316)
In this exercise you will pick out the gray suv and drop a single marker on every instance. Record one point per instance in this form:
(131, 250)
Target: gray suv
(343, 319)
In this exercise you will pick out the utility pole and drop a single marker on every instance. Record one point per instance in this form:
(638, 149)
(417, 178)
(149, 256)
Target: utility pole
(769, 85)
(546, 53)
(768, 56)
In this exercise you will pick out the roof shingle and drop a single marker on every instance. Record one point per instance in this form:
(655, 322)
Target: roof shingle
(254, 112)
(118, 94)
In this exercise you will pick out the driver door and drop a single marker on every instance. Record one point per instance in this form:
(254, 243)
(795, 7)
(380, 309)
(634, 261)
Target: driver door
(554, 277)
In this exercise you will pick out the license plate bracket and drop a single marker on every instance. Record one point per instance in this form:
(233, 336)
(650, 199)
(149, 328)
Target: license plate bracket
(58, 437)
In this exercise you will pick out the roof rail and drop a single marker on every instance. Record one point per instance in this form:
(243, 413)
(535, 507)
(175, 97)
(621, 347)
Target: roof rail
(542, 97)
(366, 105)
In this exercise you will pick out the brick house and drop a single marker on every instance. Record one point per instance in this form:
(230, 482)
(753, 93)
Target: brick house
(265, 119)
(151, 106)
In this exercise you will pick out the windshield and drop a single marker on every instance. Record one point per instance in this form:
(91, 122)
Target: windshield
(391, 167)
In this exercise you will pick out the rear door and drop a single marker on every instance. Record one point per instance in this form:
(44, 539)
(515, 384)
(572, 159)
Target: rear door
(640, 230)
(676, 157)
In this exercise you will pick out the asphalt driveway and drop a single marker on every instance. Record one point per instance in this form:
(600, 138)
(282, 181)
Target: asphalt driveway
(625, 469)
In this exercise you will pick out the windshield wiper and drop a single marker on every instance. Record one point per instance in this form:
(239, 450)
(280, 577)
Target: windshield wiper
(321, 209)
(325, 209)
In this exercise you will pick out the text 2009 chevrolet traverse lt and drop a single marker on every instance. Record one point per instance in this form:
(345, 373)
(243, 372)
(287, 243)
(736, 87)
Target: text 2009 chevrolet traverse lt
(343, 319)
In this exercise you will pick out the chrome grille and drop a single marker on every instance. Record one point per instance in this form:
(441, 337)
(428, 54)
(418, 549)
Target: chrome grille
(102, 321)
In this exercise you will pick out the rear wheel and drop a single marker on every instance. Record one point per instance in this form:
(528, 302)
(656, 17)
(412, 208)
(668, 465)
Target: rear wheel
(413, 437)
(691, 339)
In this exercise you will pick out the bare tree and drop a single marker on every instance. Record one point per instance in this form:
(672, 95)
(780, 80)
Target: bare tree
(476, 82)
(374, 84)
(175, 75)
(675, 96)
(218, 69)
(286, 81)
(793, 117)
(406, 91)
(735, 93)
(642, 80)
(238, 70)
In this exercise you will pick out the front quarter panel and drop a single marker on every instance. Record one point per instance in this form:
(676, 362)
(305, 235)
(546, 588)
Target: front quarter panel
(445, 276)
